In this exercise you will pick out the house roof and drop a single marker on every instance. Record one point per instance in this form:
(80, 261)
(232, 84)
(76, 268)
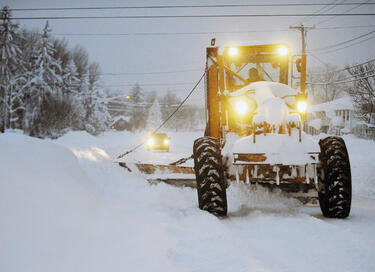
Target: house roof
(120, 117)
(344, 103)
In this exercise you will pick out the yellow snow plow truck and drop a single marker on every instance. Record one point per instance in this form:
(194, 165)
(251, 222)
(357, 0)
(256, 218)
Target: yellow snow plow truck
(254, 133)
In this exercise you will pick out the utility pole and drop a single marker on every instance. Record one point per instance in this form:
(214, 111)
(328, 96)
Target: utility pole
(303, 30)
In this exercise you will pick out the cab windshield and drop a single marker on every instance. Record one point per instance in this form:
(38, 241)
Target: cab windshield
(255, 63)
(262, 71)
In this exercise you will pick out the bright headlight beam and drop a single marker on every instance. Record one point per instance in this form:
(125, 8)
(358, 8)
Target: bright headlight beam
(241, 107)
(166, 142)
(233, 51)
(283, 50)
(302, 105)
(150, 142)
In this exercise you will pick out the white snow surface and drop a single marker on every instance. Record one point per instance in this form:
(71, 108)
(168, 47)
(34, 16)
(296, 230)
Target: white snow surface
(264, 90)
(279, 148)
(66, 206)
(316, 123)
(274, 110)
(337, 121)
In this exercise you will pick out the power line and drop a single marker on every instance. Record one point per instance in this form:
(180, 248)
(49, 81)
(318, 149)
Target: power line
(169, 33)
(187, 6)
(329, 19)
(317, 12)
(341, 81)
(342, 43)
(337, 49)
(151, 73)
(343, 69)
(318, 59)
(343, 27)
(189, 16)
(150, 84)
(359, 74)
(350, 78)
(202, 32)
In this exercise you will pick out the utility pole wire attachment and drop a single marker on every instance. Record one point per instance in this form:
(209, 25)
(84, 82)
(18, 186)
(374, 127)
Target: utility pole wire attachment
(303, 30)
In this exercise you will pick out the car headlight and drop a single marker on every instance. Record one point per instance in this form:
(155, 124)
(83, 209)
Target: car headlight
(301, 106)
(241, 107)
(166, 142)
(150, 142)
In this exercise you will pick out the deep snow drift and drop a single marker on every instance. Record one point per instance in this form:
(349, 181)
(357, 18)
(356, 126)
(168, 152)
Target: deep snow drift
(65, 206)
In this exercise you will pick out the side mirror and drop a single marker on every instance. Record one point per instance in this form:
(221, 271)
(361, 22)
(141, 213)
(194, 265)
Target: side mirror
(299, 65)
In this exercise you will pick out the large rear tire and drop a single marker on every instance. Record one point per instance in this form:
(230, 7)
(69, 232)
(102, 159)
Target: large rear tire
(335, 181)
(209, 172)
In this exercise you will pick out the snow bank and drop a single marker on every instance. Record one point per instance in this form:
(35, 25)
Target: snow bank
(65, 206)
(362, 164)
(46, 204)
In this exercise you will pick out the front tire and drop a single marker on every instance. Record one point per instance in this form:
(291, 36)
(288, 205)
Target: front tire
(335, 181)
(209, 172)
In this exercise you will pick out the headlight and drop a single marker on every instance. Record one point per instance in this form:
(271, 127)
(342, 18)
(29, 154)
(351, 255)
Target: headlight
(301, 106)
(282, 50)
(166, 142)
(233, 51)
(150, 142)
(241, 107)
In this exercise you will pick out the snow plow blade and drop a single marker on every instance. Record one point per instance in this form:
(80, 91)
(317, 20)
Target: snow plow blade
(171, 174)
(184, 176)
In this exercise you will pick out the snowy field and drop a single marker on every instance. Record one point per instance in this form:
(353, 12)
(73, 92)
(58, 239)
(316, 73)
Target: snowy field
(66, 206)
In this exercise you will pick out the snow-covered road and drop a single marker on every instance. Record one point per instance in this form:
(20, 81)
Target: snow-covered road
(65, 206)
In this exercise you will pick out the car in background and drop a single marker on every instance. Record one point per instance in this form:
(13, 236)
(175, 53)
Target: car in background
(158, 141)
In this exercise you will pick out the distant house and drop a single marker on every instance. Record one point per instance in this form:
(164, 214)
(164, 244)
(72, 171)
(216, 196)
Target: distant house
(333, 117)
(121, 122)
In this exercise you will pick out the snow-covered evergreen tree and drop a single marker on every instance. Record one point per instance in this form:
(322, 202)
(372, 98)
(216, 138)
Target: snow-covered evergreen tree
(80, 103)
(138, 113)
(97, 116)
(91, 108)
(136, 94)
(70, 80)
(154, 119)
(44, 80)
(10, 69)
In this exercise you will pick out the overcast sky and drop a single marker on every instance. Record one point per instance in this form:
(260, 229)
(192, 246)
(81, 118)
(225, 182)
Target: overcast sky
(181, 52)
